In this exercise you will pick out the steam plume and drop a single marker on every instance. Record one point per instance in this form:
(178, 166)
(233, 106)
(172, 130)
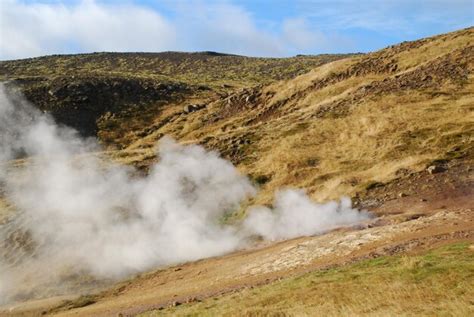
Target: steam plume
(79, 215)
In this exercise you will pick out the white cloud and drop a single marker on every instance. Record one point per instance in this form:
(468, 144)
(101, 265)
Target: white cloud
(35, 28)
(301, 37)
(296, 32)
(227, 28)
(38, 29)
(32, 29)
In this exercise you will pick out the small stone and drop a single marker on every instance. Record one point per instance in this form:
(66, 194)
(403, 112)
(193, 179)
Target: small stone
(402, 195)
(427, 78)
(423, 200)
(433, 169)
(193, 108)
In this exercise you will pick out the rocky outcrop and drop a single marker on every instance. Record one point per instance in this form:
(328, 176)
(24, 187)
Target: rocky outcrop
(81, 102)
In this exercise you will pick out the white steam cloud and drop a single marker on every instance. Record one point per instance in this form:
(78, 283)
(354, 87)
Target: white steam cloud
(294, 214)
(76, 214)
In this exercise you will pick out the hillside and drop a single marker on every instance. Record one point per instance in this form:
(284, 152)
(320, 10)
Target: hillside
(114, 95)
(392, 129)
(344, 126)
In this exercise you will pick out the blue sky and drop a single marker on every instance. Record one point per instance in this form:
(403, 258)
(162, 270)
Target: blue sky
(258, 28)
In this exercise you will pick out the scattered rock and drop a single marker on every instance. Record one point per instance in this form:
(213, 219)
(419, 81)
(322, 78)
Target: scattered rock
(191, 300)
(433, 169)
(262, 179)
(175, 303)
(414, 216)
(427, 78)
(402, 195)
(250, 98)
(193, 108)
(373, 185)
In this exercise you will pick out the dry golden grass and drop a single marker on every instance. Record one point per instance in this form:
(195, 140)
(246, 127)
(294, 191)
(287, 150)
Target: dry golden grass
(371, 144)
(332, 139)
(5, 210)
(336, 139)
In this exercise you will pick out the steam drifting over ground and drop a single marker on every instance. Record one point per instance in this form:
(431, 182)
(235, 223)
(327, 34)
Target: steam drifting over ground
(78, 215)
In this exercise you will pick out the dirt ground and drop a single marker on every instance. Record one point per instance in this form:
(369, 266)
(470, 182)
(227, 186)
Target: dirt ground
(418, 211)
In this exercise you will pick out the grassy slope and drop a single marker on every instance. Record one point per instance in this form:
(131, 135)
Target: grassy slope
(202, 68)
(344, 125)
(333, 131)
(116, 96)
(439, 282)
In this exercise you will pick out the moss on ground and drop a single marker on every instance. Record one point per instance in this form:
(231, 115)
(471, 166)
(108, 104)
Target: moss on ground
(204, 68)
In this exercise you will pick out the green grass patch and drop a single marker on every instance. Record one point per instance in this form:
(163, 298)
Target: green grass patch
(436, 283)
